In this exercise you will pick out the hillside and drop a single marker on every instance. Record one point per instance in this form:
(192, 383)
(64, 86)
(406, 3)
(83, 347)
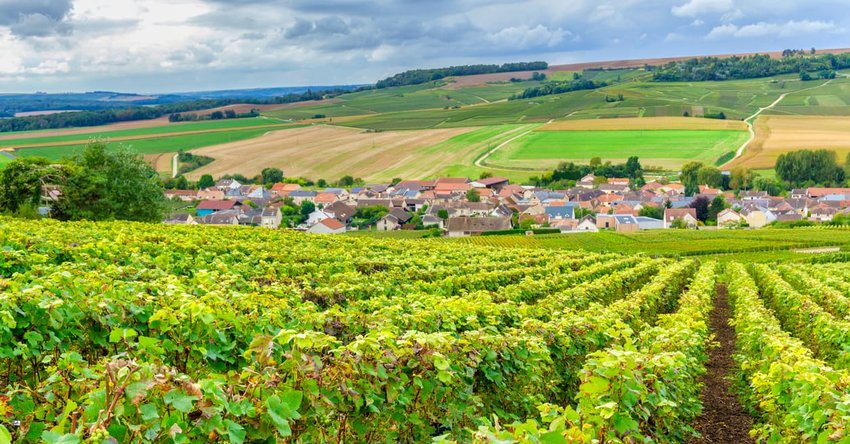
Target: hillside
(631, 102)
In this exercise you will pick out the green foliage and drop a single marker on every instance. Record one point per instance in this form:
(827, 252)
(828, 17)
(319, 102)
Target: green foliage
(472, 195)
(22, 180)
(206, 181)
(805, 166)
(111, 185)
(271, 175)
(747, 67)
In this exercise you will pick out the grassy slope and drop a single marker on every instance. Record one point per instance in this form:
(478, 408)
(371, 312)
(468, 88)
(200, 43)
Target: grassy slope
(665, 148)
(235, 124)
(154, 145)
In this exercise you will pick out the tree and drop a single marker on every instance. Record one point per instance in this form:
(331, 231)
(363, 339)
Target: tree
(701, 205)
(272, 175)
(690, 177)
(718, 204)
(181, 183)
(111, 184)
(443, 213)
(653, 212)
(710, 176)
(206, 181)
(595, 162)
(322, 183)
(307, 208)
(633, 167)
(472, 195)
(346, 181)
(816, 166)
(741, 178)
(395, 181)
(22, 180)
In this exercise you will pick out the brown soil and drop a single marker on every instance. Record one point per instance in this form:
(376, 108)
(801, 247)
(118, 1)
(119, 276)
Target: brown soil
(723, 419)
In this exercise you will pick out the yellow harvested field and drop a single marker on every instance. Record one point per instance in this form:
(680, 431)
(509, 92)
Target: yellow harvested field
(644, 123)
(162, 163)
(331, 152)
(779, 134)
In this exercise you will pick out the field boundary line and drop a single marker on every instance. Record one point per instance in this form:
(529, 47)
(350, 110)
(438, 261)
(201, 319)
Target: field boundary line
(749, 120)
(480, 161)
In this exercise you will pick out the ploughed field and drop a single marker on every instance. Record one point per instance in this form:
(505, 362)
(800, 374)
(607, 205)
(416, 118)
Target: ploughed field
(151, 333)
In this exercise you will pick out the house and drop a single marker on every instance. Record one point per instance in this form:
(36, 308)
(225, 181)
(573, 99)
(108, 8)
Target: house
(325, 199)
(587, 182)
(181, 219)
(259, 193)
(317, 216)
(822, 212)
(328, 226)
(649, 223)
(393, 220)
(223, 218)
(207, 207)
(618, 181)
(340, 211)
(271, 217)
(430, 220)
(610, 189)
(465, 226)
(587, 223)
(299, 196)
(496, 183)
(283, 189)
(729, 218)
(184, 195)
(617, 222)
(210, 194)
(561, 212)
(388, 223)
(228, 184)
(757, 216)
(688, 215)
(816, 193)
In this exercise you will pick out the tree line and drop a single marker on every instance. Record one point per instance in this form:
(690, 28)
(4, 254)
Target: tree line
(107, 116)
(550, 88)
(566, 174)
(419, 76)
(750, 67)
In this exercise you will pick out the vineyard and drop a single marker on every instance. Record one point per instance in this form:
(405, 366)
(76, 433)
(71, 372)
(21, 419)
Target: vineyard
(122, 332)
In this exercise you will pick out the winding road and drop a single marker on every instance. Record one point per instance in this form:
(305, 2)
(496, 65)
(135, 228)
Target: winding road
(749, 120)
(480, 162)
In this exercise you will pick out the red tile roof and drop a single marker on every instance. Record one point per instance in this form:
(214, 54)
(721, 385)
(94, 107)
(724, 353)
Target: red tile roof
(332, 223)
(217, 204)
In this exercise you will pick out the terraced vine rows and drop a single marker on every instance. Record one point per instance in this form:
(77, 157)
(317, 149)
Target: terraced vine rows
(144, 333)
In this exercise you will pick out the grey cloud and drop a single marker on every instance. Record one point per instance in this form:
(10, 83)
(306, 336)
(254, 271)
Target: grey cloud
(35, 18)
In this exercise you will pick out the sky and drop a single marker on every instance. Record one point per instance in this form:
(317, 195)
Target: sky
(157, 46)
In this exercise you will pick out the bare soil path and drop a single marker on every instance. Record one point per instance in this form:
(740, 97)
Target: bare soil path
(723, 419)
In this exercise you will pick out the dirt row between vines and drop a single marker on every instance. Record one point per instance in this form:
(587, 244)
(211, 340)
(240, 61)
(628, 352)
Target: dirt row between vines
(723, 419)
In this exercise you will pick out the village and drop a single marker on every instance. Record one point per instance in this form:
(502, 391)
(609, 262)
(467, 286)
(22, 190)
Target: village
(464, 207)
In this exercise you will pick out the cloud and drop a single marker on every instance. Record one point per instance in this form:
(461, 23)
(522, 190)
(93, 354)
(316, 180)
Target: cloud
(524, 37)
(35, 18)
(168, 45)
(791, 28)
(694, 8)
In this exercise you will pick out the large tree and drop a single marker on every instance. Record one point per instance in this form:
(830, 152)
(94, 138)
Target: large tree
(799, 168)
(272, 175)
(22, 181)
(111, 184)
(690, 177)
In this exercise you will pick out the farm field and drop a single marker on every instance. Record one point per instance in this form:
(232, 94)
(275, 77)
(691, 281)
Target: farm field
(645, 123)
(777, 134)
(331, 152)
(221, 334)
(154, 145)
(542, 150)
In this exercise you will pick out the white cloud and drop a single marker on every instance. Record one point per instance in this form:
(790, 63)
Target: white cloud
(523, 37)
(694, 8)
(762, 29)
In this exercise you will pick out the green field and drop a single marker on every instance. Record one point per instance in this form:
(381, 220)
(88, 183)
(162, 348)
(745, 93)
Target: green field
(153, 145)
(664, 148)
(156, 131)
(765, 245)
(828, 100)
